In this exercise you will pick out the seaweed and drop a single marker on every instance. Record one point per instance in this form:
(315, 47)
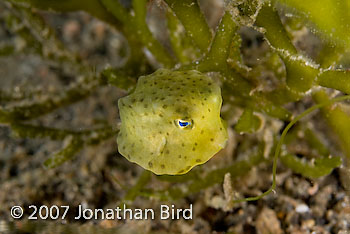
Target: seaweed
(192, 44)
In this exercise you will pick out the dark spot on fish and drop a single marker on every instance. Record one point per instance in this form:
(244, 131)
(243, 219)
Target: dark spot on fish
(150, 164)
(167, 152)
(183, 144)
(193, 149)
(211, 139)
(162, 166)
(145, 106)
(165, 106)
(180, 172)
(188, 168)
(198, 160)
(160, 115)
(179, 156)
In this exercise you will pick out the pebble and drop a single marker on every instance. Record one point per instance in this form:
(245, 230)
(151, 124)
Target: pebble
(71, 29)
(267, 222)
(302, 208)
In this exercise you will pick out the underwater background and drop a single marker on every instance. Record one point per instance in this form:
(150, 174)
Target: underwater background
(62, 74)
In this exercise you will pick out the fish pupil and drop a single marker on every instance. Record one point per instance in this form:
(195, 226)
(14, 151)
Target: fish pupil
(184, 124)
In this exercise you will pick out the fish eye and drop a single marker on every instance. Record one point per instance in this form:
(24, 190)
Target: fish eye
(184, 123)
